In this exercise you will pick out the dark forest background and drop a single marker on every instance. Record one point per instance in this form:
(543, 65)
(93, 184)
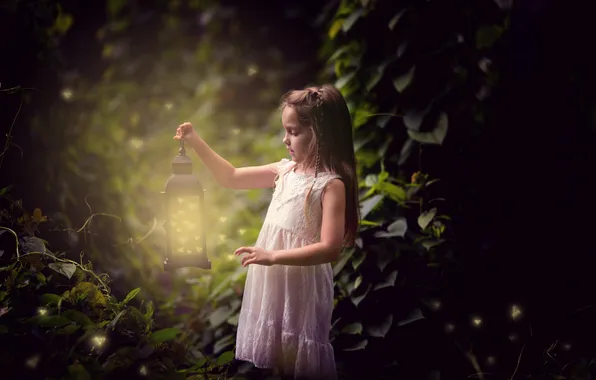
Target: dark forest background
(474, 125)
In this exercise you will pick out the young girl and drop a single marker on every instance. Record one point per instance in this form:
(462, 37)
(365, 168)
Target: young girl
(286, 310)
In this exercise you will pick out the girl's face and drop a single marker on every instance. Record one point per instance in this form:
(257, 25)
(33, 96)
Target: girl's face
(296, 137)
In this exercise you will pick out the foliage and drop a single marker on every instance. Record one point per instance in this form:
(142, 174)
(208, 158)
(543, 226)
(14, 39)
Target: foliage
(411, 72)
(59, 320)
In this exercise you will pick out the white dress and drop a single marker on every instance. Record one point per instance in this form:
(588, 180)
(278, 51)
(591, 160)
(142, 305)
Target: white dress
(285, 317)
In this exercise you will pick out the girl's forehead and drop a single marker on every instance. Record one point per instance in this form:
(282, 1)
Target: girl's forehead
(289, 117)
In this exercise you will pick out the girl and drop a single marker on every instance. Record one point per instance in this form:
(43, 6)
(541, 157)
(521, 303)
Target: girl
(286, 310)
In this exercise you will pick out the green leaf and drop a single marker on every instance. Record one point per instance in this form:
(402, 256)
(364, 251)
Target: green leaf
(78, 372)
(345, 256)
(380, 330)
(115, 6)
(149, 310)
(370, 204)
(225, 358)
(487, 35)
(358, 259)
(351, 20)
(372, 82)
(397, 193)
(79, 318)
(413, 316)
(395, 19)
(50, 320)
(113, 322)
(335, 28)
(430, 243)
(344, 80)
(90, 292)
(371, 180)
(426, 217)
(397, 228)
(223, 343)
(353, 328)
(65, 269)
(131, 295)
(400, 83)
(389, 281)
(49, 299)
(358, 346)
(413, 118)
(68, 330)
(356, 299)
(437, 136)
(357, 282)
(220, 315)
(165, 335)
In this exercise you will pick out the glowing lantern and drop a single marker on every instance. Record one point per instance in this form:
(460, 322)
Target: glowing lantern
(183, 198)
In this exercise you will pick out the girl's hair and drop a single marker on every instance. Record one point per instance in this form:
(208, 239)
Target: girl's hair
(324, 110)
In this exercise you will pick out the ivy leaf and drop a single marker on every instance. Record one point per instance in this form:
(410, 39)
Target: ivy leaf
(358, 346)
(368, 205)
(220, 315)
(50, 320)
(426, 217)
(397, 228)
(78, 372)
(79, 318)
(113, 322)
(413, 118)
(437, 136)
(68, 330)
(358, 298)
(91, 293)
(400, 83)
(389, 281)
(66, 269)
(413, 316)
(223, 343)
(225, 358)
(380, 330)
(383, 259)
(353, 328)
(358, 260)
(357, 282)
(351, 20)
(165, 335)
(341, 82)
(345, 256)
(34, 244)
(430, 243)
(395, 19)
(49, 299)
(131, 295)
(487, 35)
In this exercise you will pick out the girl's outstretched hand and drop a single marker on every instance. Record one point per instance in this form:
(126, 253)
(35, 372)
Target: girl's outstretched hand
(186, 131)
(255, 255)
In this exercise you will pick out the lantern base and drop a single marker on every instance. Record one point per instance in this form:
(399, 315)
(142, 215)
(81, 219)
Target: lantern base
(172, 263)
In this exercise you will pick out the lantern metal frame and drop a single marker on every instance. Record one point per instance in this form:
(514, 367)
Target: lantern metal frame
(183, 183)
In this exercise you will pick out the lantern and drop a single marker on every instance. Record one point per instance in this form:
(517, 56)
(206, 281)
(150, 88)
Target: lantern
(185, 232)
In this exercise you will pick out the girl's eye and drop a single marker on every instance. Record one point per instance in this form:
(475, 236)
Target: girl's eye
(294, 134)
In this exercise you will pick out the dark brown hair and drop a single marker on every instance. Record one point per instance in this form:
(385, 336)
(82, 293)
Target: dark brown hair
(324, 110)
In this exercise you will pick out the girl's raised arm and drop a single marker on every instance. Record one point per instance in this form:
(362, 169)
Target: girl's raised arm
(251, 177)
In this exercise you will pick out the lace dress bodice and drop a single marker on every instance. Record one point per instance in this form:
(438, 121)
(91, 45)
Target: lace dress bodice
(286, 310)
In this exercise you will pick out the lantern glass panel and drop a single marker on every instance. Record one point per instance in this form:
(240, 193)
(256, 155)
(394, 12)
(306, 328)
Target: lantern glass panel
(185, 225)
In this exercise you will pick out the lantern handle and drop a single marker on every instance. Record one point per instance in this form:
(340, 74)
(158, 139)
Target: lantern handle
(182, 151)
